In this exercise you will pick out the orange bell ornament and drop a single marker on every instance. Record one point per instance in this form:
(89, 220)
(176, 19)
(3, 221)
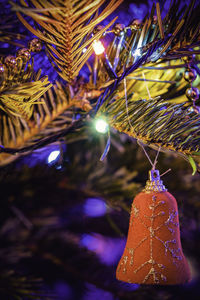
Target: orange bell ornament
(153, 252)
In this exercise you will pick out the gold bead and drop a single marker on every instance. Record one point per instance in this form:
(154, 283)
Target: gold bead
(35, 45)
(136, 24)
(192, 93)
(118, 29)
(190, 75)
(10, 61)
(24, 53)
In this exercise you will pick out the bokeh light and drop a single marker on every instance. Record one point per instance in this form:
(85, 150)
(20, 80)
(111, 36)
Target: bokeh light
(94, 207)
(108, 249)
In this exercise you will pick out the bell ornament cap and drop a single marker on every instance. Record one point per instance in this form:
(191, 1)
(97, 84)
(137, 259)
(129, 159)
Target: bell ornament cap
(154, 183)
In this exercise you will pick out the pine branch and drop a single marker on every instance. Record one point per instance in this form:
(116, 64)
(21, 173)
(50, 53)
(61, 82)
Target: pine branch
(178, 29)
(51, 120)
(148, 57)
(137, 54)
(158, 123)
(155, 39)
(20, 89)
(66, 27)
(155, 42)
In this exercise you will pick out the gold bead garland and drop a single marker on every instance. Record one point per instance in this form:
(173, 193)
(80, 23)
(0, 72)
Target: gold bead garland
(9, 63)
(190, 75)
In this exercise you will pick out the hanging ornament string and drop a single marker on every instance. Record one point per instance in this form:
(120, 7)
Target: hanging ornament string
(148, 157)
(156, 159)
(146, 84)
(153, 164)
(126, 101)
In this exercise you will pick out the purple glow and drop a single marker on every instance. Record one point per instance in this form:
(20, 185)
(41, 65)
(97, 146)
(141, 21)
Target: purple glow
(40, 156)
(94, 207)
(107, 249)
(94, 293)
(129, 286)
(138, 10)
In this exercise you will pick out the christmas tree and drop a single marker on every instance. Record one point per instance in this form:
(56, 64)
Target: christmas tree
(88, 89)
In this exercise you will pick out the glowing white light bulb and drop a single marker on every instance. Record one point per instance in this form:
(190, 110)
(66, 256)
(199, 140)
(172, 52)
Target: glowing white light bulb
(101, 126)
(53, 156)
(84, 50)
(98, 47)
